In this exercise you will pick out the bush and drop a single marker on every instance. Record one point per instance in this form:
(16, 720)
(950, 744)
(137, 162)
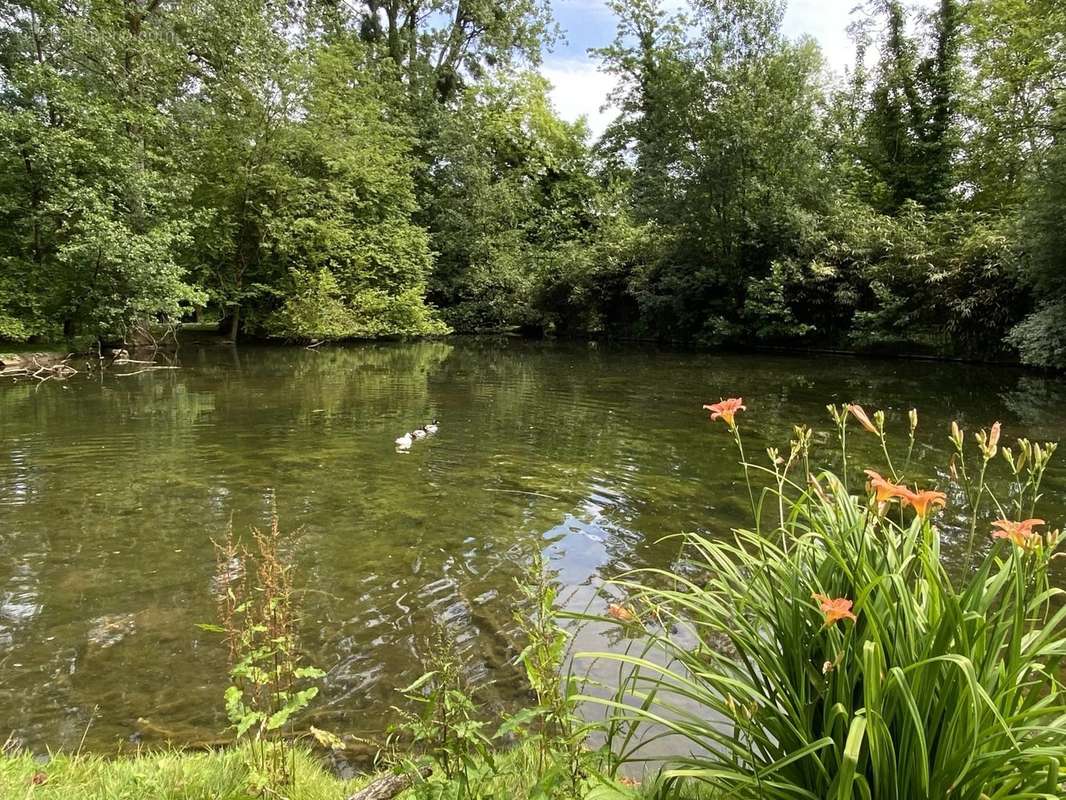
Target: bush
(316, 308)
(1040, 338)
(829, 653)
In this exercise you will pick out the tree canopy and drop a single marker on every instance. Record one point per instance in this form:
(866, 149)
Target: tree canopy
(332, 170)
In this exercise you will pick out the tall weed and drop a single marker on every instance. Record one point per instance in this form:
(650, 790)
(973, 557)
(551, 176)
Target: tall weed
(258, 611)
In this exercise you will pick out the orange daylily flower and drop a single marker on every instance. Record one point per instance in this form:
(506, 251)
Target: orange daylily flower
(860, 415)
(726, 409)
(924, 502)
(1021, 533)
(884, 489)
(834, 608)
(621, 613)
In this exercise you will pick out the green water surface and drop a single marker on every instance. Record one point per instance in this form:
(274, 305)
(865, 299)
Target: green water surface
(112, 488)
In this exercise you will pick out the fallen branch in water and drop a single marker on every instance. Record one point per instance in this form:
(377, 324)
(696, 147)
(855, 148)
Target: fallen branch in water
(390, 786)
(43, 367)
(521, 491)
(138, 372)
(47, 372)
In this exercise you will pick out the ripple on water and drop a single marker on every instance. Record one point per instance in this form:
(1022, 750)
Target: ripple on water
(110, 496)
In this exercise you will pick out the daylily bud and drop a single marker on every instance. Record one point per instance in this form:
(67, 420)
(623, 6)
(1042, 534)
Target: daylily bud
(860, 415)
(879, 420)
(913, 416)
(1045, 452)
(988, 450)
(987, 441)
(956, 435)
(993, 438)
(1008, 456)
(1025, 452)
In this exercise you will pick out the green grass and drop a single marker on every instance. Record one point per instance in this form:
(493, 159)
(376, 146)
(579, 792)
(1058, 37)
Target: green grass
(223, 775)
(219, 775)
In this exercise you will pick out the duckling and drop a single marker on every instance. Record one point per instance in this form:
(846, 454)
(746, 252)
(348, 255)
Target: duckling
(419, 433)
(404, 441)
(432, 427)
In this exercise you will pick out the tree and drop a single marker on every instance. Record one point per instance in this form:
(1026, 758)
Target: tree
(438, 45)
(737, 178)
(1017, 65)
(509, 191)
(910, 128)
(304, 195)
(345, 232)
(91, 193)
(1041, 337)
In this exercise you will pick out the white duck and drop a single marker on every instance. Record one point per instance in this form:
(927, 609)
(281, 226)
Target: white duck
(405, 441)
(419, 433)
(432, 427)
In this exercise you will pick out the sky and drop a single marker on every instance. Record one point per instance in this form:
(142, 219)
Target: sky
(580, 89)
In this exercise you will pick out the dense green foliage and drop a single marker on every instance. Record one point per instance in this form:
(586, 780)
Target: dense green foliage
(327, 171)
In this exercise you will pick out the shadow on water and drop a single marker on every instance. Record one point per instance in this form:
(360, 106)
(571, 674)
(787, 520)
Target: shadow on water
(112, 489)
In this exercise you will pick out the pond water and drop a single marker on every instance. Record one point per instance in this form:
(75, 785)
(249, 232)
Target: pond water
(112, 489)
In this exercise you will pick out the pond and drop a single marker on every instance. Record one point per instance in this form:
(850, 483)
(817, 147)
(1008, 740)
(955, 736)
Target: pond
(112, 489)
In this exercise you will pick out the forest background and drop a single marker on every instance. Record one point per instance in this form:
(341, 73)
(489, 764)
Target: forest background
(337, 169)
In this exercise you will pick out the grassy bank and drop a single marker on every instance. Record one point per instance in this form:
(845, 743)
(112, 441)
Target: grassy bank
(224, 775)
(221, 775)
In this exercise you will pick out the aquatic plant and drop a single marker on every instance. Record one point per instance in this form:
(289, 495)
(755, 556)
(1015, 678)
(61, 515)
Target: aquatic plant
(836, 656)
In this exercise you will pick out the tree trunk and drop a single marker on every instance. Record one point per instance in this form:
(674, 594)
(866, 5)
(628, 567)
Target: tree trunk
(234, 323)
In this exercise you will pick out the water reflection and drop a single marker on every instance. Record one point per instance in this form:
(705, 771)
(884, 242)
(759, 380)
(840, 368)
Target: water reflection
(112, 489)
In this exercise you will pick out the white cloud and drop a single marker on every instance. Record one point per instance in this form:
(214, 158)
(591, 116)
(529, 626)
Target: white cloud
(579, 89)
(826, 21)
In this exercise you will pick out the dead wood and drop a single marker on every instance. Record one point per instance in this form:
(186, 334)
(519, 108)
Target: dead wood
(390, 785)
